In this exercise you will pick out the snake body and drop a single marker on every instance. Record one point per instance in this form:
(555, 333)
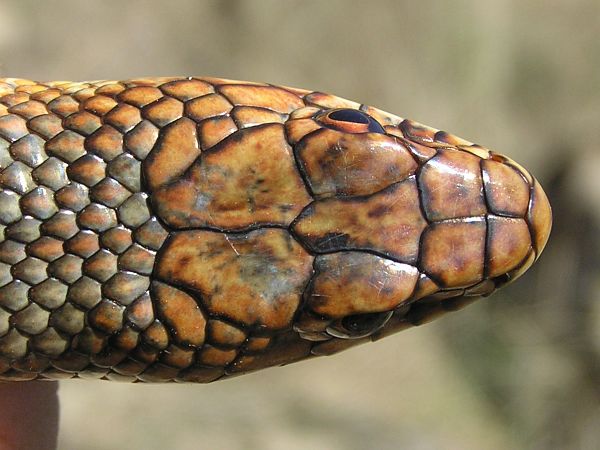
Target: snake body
(192, 229)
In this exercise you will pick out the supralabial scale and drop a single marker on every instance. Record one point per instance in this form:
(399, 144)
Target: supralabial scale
(192, 229)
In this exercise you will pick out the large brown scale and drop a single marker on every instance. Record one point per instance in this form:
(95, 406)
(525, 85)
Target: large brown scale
(190, 229)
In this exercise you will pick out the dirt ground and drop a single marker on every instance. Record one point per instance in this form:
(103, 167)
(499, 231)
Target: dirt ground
(520, 370)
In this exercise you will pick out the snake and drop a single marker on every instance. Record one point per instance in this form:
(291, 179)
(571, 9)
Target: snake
(192, 229)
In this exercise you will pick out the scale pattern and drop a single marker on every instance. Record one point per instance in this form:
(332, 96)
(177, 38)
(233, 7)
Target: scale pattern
(191, 229)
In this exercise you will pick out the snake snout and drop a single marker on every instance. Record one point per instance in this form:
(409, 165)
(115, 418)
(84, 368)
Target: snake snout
(519, 219)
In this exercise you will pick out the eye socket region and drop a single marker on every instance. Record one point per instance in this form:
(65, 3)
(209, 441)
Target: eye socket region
(350, 121)
(358, 325)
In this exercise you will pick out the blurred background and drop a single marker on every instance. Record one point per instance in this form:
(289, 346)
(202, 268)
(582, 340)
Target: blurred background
(520, 370)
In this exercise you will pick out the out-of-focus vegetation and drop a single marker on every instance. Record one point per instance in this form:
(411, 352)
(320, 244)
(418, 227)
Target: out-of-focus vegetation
(518, 370)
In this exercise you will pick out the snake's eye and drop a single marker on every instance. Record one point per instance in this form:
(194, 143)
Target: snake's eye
(359, 325)
(350, 121)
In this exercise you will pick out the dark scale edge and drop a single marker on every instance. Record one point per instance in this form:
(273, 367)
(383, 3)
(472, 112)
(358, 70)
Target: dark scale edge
(488, 236)
(196, 296)
(527, 218)
(422, 195)
(298, 165)
(422, 199)
(359, 198)
(198, 122)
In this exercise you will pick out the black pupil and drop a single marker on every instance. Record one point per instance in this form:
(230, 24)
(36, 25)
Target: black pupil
(363, 322)
(349, 115)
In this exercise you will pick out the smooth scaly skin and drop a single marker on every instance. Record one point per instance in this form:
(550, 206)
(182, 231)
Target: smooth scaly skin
(191, 229)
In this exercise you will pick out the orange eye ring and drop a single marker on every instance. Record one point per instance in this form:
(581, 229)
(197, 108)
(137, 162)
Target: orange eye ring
(349, 121)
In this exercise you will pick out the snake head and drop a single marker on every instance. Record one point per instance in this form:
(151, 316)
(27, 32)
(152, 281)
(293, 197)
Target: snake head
(408, 222)
(338, 222)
